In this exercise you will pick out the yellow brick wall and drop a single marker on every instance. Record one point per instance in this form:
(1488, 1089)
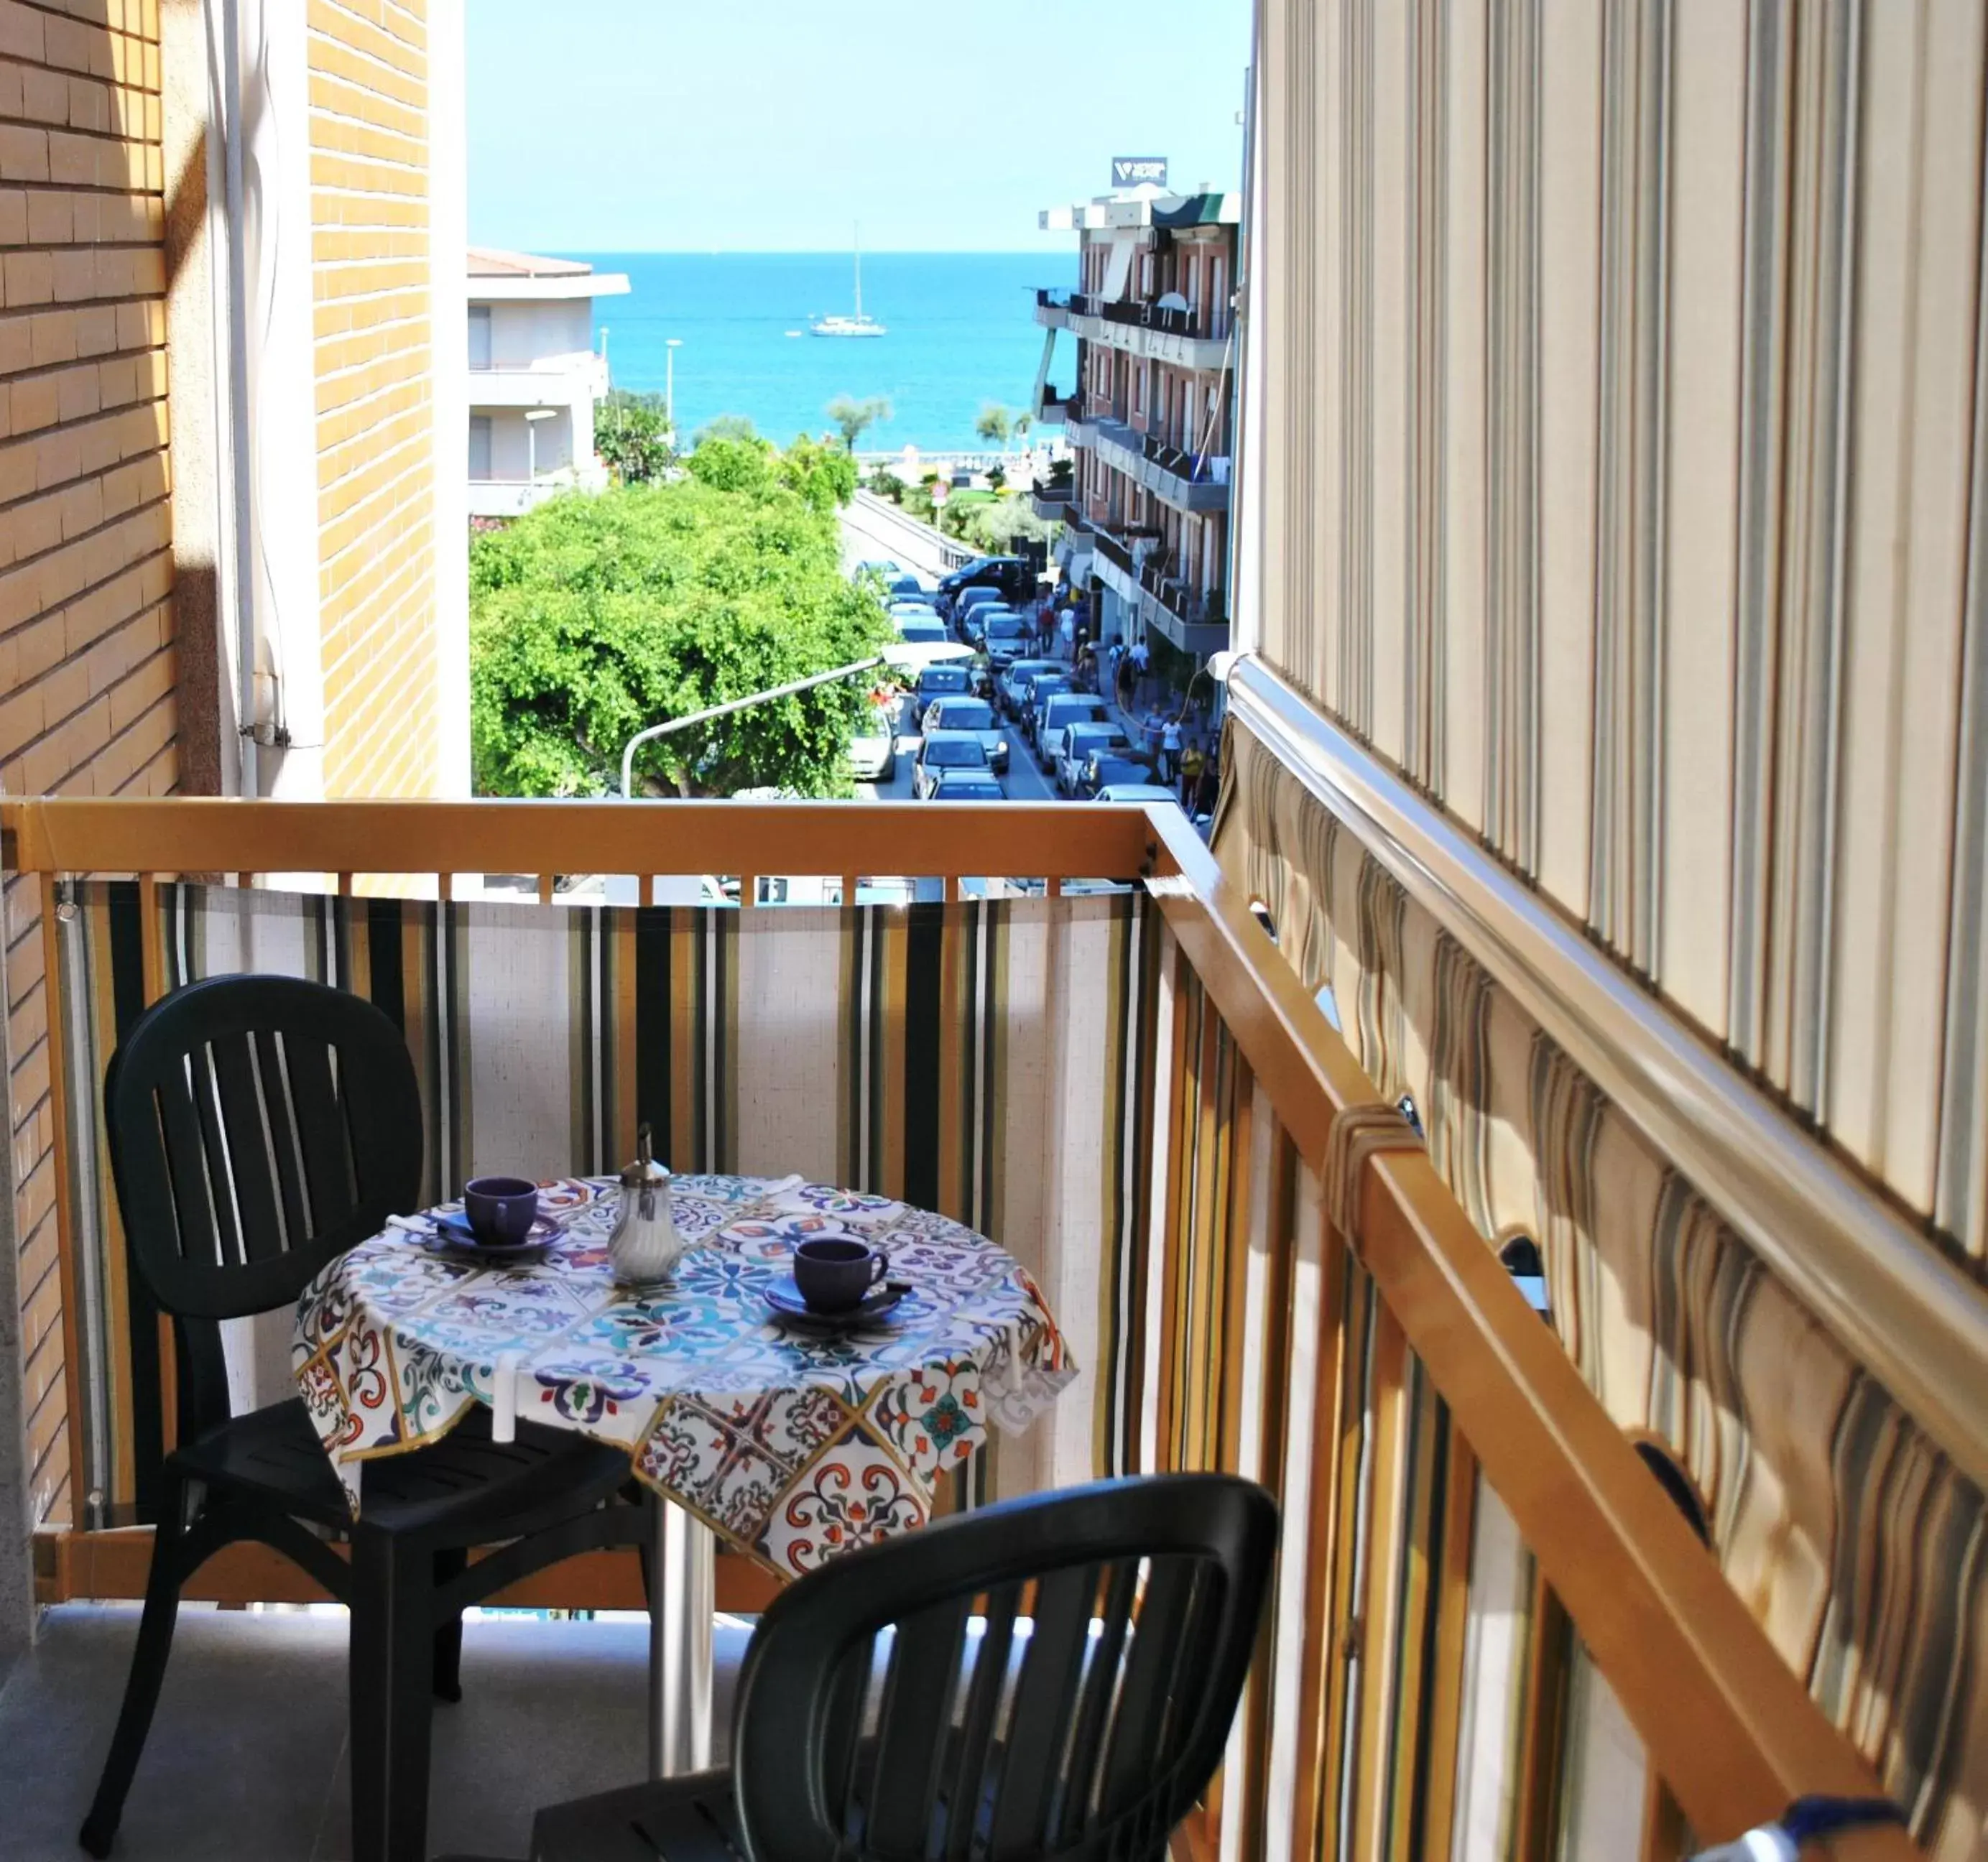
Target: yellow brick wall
(376, 507)
(87, 653)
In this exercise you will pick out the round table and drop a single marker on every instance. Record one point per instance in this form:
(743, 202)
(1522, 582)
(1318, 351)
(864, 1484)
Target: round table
(790, 1445)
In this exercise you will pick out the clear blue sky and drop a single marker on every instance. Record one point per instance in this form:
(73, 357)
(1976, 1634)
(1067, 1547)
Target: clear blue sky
(769, 125)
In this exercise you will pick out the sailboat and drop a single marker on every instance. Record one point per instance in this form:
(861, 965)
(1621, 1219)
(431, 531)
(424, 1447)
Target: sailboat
(859, 325)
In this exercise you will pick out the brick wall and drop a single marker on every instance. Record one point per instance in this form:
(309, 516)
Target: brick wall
(87, 653)
(376, 508)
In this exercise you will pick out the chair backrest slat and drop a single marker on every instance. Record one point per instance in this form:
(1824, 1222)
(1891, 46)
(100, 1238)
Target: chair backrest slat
(258, 1127)
(321, 1127)
(1161, 1649)
(842, 1727)
(284, 1135)
(1045, 1697)
(980, 1721)
(1082, 1733)
(1081, 1808)
(914, 1727)
(189, 1206)
(221, 1181)
(259, 1224)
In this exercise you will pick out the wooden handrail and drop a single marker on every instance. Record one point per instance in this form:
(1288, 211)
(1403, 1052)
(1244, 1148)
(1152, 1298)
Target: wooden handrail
(1099, 840)
(1730, 1728)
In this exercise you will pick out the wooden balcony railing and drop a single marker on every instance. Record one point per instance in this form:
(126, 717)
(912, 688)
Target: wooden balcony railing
(1388, 1380)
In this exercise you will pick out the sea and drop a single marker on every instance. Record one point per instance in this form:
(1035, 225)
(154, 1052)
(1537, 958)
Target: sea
(961, 333)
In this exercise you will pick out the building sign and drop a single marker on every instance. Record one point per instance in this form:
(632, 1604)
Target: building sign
(1131, 171)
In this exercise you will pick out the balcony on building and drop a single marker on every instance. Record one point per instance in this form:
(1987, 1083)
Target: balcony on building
(1190, 483)
(1276, 1124)
(535, 378)
(1149, 1055)
(1195, 619)
(1055, 406)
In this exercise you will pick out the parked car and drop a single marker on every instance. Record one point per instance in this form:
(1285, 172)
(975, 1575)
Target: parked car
(961, 611)
(976, 716)
(975, 621)
(1059, 709)
(906, 582)
(1106, 768)
(1011, 688)
(925, 633)
(1004, 640)
(1044, 686)
(1076, 743)
(965, 785)
(873, 749)
(877, 566)
(947, 750)
(953, 681)
(1009, 574)
(1136, 792)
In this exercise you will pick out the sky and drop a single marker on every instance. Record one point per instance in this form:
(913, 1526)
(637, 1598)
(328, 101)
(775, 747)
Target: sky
(773, 125)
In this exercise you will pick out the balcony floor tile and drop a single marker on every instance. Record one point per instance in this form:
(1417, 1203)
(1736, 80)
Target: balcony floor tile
(247, 1756)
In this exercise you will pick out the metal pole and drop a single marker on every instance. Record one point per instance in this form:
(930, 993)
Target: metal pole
(736, 704)
(532, 451)
(683, 1571)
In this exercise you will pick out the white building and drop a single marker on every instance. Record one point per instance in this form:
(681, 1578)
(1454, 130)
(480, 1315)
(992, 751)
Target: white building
(534, 377)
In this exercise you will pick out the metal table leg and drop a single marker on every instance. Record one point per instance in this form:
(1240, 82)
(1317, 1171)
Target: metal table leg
(683, 1549)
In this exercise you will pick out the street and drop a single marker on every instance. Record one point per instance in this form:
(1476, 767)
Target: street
(1024, 781)
(870, 529)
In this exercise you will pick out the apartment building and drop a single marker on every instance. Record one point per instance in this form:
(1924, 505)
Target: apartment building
(534, 378)
(231, 499)
(1151, 411)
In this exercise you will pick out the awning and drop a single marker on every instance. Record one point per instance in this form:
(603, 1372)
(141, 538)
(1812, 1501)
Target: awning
(1123, 244)
(1192, 210)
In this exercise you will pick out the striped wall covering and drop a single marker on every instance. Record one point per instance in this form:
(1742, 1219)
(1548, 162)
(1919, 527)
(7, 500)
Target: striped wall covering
(1276, 1359)
(993, 1060)
(1622, 476)
(1862, 1552)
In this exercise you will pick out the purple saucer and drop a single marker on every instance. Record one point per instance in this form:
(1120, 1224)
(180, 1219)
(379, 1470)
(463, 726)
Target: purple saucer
(785, 1298)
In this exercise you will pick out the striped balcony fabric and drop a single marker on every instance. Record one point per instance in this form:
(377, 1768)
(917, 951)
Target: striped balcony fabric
(1864, 1554)
(972, 1058)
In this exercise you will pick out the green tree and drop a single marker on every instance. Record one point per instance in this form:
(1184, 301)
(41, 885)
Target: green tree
(725, 427)
(1024, 421)
(850, 418)
(999, 527)
(995, 424)
(825, 478)
(591, 618)
(632, 434)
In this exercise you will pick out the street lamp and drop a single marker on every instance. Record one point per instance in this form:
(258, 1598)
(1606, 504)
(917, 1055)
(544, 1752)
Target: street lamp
(910, 655)
(671, 346)
(531, 420)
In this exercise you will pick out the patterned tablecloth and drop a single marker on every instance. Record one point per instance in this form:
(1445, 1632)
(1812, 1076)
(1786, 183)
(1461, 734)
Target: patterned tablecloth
(791, 1445)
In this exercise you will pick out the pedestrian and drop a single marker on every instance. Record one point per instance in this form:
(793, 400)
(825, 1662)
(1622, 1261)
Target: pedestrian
(1192, 764)
(1170, 752)
(1069, 631)
(1210, 791)
(1142, 657)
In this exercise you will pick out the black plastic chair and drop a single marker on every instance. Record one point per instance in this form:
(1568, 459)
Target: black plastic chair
(1085, 1739)
(259, 1127)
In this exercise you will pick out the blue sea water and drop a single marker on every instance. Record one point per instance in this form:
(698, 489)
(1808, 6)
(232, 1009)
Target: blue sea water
(961, 324)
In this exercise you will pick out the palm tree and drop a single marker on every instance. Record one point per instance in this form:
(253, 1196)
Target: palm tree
(995, 424)
(850, 417)
(1023, 421)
